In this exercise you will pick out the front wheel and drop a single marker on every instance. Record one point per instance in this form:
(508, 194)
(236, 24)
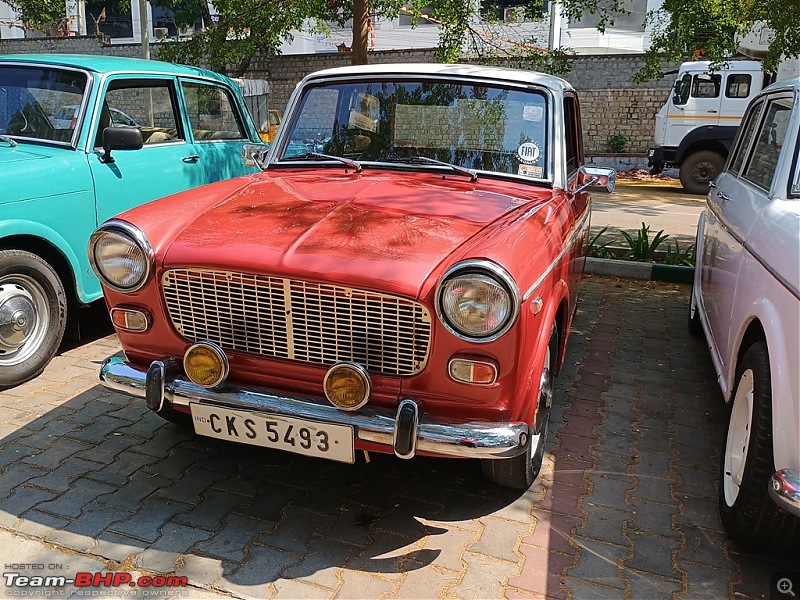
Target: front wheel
(519, 472)
(33, 316)
(745, 508)
(700, 169)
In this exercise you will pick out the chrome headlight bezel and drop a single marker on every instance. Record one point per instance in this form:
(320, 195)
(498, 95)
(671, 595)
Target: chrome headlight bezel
(499, 276)
(137, 239)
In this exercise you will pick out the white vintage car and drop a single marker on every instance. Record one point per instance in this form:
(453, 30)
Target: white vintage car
(746, 300)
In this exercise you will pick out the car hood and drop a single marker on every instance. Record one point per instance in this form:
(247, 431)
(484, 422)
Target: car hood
(380, 231)
(12, 154)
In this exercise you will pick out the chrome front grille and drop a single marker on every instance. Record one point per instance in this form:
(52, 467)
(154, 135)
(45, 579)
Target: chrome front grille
(299, 320)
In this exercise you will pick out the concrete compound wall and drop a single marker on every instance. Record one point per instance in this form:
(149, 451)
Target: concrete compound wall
(610, 103)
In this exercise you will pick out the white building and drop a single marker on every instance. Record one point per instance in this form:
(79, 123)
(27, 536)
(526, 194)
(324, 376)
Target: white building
(104, 17)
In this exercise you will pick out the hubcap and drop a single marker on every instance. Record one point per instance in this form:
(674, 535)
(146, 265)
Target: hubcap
(738, 438)
(24, 314)
(545, 403)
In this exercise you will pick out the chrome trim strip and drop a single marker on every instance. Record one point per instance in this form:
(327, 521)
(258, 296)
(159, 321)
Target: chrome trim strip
(497, 273)
(474, 439)
(784, 489)
(739, 240)
(137, 236)
(572, 239)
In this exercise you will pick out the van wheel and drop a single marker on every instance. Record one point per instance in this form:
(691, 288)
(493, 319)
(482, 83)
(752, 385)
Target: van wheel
(33, 316)
(745, 508)
(700, 169)
(519, 472)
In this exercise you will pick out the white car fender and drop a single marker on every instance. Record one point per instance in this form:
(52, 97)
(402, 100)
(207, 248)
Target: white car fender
(757, 300)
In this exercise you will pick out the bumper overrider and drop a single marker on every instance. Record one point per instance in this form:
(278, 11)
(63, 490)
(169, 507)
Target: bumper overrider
(404, 430)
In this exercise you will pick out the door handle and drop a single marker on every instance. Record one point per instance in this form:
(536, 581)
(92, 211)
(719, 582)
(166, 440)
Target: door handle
(192, 158)
(723, 196)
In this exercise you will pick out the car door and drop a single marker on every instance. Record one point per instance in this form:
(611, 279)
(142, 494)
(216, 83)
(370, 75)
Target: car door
(735, 202)
(218, 128)
(167, 162)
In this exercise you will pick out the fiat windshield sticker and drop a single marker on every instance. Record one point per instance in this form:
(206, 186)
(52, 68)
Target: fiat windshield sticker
(528, 152)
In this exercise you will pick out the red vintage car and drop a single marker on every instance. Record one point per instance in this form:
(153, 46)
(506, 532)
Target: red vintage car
(401, 277)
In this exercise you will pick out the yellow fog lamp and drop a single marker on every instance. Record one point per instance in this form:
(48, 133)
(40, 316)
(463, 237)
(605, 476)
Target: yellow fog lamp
(205, 364)
(347, 386)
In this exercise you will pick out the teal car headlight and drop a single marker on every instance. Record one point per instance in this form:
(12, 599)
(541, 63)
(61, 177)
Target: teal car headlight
(120, 256)
(477, 300)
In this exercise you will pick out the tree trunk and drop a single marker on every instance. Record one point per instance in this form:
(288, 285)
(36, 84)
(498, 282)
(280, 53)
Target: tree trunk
(360, 31)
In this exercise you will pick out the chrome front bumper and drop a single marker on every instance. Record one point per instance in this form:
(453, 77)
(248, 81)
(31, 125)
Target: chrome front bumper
(404, 430)
(784, 489)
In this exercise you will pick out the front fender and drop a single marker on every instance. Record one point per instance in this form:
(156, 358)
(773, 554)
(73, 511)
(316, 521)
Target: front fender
(86, 284)
(783, 360)
(533, 347)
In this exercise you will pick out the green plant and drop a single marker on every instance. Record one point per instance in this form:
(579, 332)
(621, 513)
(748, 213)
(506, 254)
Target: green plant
(678, 256)
(617, 143)
(641, 248)
(597, 250)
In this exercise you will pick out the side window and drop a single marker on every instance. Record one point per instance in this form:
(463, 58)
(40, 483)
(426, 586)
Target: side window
(148, 105)
(747, 132)
(212, 113)
(682, 87)
(767, 149)
(572, 129)
(737, 86)
(706, 86)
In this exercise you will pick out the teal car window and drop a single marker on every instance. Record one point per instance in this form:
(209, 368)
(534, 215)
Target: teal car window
(149, 106)
(212, 113)
(32, 97)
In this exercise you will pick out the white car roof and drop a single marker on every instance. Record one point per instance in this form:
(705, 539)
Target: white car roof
(500, 74)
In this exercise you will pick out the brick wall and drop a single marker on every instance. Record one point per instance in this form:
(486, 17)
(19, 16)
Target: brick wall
(610, 103)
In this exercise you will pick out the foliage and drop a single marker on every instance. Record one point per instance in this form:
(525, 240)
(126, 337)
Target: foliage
(595, 249)
(39, 14)
(617, 143)
(641, 247)
(684, 29)
(677, 256)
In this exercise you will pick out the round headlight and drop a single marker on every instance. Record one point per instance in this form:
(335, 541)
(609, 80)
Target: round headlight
(477, 305)
(120, 258)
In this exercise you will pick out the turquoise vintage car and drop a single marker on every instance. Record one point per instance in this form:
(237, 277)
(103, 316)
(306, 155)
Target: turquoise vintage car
(61, 178)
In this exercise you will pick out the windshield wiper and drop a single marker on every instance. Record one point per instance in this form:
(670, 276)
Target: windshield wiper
(471, 173)
(356, 166)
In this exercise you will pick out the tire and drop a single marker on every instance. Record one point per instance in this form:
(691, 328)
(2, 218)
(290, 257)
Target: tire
(700, 169)
(33, 316)
(519, 472)
(745, 508)
(695, 325)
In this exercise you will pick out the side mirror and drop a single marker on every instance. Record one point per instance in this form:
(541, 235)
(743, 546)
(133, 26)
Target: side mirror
(120, 138)
(254, 155)
(596, 180)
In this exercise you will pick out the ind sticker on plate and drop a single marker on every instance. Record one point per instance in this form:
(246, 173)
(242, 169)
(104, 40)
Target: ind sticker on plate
(530, 171)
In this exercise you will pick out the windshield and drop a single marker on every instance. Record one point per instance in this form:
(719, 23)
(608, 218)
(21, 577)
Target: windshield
(492, 129)
(39, 102)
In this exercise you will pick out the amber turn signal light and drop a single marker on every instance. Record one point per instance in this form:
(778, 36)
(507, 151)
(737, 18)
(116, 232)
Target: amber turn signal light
(130, 319)
(347, 386)
(472, 371)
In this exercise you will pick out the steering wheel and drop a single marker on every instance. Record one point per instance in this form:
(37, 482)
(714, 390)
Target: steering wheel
(373, 149)
(18, 123)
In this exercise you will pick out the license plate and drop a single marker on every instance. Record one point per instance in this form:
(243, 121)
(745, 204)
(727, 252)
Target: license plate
(321, 440)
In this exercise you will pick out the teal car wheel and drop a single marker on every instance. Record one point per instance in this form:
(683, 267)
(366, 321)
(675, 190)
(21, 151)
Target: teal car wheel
(33, 316)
